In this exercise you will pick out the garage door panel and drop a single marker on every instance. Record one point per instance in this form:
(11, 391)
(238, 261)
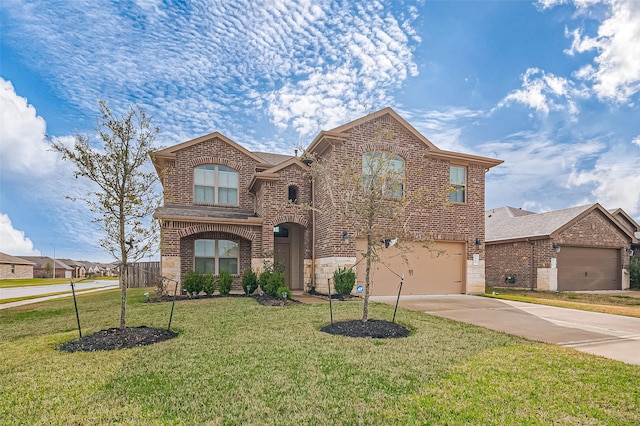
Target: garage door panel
(586, 268)
(438, 269)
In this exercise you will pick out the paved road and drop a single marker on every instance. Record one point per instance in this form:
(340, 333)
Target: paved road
(83, 287)
(612, 336)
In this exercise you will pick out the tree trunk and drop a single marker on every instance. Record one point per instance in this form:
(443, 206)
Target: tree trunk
(365, 308)
(123, 288)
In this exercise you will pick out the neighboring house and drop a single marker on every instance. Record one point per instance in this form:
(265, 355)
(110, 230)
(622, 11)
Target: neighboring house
(79, 269)
(579, 248)
(12, 267)
(229, 208)
(43, 267)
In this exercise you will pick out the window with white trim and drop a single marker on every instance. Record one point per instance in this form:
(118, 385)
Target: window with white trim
(383, 171)
(458, 181)
(213, 256)
(215, 184)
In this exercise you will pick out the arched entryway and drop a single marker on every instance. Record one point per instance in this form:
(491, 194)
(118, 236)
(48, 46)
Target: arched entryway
(288, 244)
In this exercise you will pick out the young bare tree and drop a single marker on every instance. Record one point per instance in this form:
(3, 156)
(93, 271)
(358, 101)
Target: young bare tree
(124, 199)
(367, 193)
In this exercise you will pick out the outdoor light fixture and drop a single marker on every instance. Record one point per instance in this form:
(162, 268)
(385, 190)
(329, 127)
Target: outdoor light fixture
(478, 242)
(345, 235)
(630, 251)
(556, 247)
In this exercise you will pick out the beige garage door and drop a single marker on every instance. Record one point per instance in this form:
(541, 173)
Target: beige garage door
(438, 269)
(583, 268)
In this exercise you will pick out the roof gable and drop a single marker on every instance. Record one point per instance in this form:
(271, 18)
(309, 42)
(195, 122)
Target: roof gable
(542, 225)
(8, 259)
(341, 133)
(161, 156)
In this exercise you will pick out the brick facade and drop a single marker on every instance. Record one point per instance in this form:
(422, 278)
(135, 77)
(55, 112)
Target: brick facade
(264, 191)
(10, 271)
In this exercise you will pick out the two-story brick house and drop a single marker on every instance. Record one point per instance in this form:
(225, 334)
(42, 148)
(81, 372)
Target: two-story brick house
(228, 208)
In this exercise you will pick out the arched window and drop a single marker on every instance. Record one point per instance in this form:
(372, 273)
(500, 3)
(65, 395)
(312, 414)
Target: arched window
(293, 194)
(214, 184)
(383, 174)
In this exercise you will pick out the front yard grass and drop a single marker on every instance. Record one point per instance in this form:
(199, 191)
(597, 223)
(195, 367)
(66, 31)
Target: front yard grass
(26, 282)
(608, 303)
(237, 362)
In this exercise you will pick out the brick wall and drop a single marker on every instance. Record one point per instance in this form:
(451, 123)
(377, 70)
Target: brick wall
(428, 214)
(19, 271)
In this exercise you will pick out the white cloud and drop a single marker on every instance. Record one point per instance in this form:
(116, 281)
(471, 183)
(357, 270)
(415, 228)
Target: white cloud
(615, 71)
(536, 169)
(614, 179)
(191, 65)
(544, 92)
(636, 141)
(23, 148)
(13, 241)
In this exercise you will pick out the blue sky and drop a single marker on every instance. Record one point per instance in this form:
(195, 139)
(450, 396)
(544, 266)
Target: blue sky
(552, 87)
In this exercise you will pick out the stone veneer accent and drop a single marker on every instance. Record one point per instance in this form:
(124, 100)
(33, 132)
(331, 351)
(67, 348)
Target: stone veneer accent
(547, 279)
(325, 267)
(170, 266)
(475, 278)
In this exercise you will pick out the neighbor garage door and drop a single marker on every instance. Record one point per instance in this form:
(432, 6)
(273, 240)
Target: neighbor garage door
(583, 268)
(438, 269)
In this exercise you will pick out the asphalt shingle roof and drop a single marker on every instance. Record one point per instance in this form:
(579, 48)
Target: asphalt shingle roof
(501, 227)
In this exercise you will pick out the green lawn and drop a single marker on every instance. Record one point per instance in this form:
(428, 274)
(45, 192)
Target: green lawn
(237, 362)
(608, 303)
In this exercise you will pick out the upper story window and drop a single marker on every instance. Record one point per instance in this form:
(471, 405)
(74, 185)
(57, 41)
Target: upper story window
(293, 194)
(213, 256)
(214, 184)
(383, 173)
(458, 181)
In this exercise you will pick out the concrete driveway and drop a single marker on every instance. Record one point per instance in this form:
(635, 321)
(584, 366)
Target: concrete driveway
(612, 336)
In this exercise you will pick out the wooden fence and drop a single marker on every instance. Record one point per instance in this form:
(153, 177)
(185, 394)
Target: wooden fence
(144, 274)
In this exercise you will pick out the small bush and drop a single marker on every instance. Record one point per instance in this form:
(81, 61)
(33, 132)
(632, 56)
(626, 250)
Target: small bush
(224, 282)
(209, 284)
(343, 280)
(192, 282)
(634, 272)
(249, 281)
(284, 293)
(275, 280)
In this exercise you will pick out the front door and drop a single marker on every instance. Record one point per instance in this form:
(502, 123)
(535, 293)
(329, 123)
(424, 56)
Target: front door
(283, 255)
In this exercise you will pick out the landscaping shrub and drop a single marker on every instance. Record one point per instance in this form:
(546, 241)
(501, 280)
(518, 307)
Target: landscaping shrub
(634, 272)
(343, 280)
(224, 282)
(249, 281)
(272, 278)
(275, 280)
(284, 293)
(209, 284)
(193, 282)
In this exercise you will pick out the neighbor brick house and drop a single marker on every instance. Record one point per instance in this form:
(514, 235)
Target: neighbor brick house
(12, 267)
(229, 208)
(43, 267)
(579, 248)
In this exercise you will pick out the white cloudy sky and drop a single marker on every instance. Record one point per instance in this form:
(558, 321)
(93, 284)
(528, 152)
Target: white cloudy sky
(551, 87)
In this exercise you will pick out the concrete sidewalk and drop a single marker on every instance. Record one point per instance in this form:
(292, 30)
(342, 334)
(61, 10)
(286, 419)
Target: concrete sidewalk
(64, 289)
(612, 336)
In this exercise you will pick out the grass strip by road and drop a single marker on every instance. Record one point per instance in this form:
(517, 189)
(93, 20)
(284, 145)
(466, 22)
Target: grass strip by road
(616, 304)
(237, 362)
(35, 296)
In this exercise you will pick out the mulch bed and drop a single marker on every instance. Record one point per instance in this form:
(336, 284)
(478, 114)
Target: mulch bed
(114, 338)
(377, 329)
(263, 299)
